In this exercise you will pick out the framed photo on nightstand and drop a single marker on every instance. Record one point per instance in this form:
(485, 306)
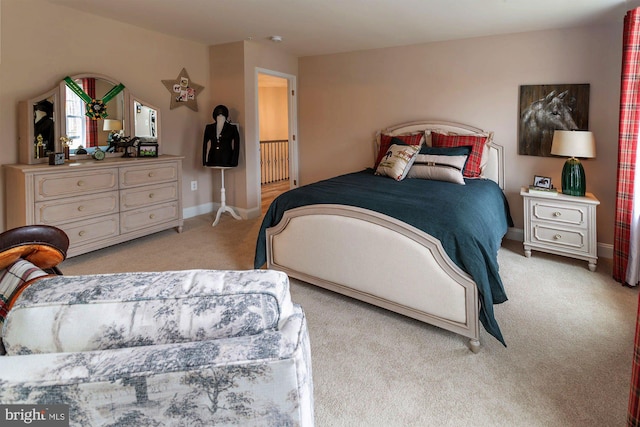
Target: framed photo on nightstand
(542, 182)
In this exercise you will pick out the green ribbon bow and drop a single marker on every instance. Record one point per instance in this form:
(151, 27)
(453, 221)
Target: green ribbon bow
(96, 108)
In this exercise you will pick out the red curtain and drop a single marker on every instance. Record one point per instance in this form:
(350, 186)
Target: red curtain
(89, 86)
(627, 146)
(627, 141)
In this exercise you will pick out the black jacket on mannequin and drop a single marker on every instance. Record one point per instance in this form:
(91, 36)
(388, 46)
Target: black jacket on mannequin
(223, 151)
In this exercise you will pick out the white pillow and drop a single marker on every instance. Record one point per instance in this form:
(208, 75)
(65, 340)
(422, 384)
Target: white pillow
(438, 168)
(397, 161)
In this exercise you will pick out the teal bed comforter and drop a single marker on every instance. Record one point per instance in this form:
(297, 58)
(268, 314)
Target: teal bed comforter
(469, 220)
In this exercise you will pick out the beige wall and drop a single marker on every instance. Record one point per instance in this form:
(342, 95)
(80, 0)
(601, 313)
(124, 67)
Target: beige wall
(240, 91)
(43, 43)
(345, 98)
(272, 106)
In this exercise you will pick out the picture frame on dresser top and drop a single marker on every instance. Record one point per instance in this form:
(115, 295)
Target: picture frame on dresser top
(560, 224)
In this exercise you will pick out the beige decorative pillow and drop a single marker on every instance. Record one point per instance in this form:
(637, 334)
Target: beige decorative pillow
(438, 168)
(397, 161)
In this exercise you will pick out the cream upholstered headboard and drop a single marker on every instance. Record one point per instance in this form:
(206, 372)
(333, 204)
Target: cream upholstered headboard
(494, 168)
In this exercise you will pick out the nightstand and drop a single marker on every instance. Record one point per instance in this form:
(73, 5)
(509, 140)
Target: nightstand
(561, 225)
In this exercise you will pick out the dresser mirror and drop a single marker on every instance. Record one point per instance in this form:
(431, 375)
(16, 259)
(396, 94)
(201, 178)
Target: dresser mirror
(85, 112)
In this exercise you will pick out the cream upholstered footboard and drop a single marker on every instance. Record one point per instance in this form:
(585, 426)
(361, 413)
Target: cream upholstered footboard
(357, 252)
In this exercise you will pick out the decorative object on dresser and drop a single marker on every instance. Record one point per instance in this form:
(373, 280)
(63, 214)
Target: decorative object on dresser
(98, 198)
(82, 134)
(573, 144)
(561, 225)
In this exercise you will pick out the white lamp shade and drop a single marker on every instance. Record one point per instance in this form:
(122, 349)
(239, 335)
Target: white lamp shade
(110, 124)
(573, 143)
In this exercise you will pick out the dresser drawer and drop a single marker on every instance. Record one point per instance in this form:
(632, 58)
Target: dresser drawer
(90, 230)
(72, 209)
(141, 175)
(566, 214)
(75, 183)
(149, 195)
(576, 240)
(146, 217)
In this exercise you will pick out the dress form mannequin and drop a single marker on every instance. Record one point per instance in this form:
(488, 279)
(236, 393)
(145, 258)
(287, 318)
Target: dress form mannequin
(220, 150)
(221, 144)
(44, 125)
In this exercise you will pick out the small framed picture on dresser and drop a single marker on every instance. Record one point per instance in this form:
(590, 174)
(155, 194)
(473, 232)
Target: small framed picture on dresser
(148, 149)
(542, 182)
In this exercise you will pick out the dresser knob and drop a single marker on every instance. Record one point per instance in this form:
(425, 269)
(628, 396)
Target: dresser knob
(556, 213)
(557, 237)
(82, 233)
(80, 183)
(151, 195)
(80, 208)
(151, 174)
(152, 216)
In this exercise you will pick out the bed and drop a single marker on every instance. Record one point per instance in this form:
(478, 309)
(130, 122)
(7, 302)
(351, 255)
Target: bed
(424, 248)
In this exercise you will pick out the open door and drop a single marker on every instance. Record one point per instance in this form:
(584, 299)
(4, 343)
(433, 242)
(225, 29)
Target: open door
(276, 124)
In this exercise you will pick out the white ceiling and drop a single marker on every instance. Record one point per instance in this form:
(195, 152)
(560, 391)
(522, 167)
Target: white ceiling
(314, 27)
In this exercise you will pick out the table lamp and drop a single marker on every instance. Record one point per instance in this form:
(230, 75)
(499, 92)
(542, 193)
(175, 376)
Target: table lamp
(576, 143)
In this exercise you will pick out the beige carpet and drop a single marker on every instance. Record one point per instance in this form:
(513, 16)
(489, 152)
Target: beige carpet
(569, 334)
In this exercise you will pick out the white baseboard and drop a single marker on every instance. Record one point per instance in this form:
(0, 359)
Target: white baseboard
(605, 250)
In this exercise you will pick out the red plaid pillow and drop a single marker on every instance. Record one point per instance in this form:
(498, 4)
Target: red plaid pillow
(385, 143)
(472, 168)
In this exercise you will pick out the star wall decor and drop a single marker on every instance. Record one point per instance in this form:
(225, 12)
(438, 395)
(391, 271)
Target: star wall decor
(183, 91)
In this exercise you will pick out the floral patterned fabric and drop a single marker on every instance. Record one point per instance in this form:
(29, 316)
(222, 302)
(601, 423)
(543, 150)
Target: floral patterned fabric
(200, 348)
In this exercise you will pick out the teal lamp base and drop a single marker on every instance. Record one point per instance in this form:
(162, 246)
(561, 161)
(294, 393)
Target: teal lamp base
(574, 181)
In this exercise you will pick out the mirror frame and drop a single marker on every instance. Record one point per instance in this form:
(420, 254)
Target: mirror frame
(26, 150)
(26, 122)
(132, 118)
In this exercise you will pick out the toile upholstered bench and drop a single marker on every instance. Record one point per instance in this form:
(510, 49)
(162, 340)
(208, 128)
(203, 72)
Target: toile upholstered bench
(194, 347)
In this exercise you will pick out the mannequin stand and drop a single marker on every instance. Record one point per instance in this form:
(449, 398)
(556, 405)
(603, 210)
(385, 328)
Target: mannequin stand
(223, 205)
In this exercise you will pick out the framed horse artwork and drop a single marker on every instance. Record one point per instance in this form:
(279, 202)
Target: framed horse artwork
(546, 108)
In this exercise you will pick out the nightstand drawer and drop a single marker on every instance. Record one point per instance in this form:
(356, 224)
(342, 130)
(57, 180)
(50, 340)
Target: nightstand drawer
(559, 213)
(576, 240)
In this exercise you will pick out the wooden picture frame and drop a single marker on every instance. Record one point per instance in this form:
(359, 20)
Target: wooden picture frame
(546, 108)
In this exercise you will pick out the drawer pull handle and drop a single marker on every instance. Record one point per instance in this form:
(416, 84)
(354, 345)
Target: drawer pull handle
(151, 195)
(80, 183)
(556, 214)
(557, 237)
(80, 208)
(152, 174)
(152, 216)
(82, 233)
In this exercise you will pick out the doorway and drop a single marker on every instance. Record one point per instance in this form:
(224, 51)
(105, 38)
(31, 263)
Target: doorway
(276, 123)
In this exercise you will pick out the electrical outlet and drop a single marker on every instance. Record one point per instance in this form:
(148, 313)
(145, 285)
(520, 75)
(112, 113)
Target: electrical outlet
(194, 185)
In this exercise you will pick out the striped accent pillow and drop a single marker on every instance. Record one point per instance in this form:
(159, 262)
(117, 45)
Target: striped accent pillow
(473, 167)
(13, 280)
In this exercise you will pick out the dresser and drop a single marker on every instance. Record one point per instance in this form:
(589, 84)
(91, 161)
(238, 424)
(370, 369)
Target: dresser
(561, 225)
(97, 203)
